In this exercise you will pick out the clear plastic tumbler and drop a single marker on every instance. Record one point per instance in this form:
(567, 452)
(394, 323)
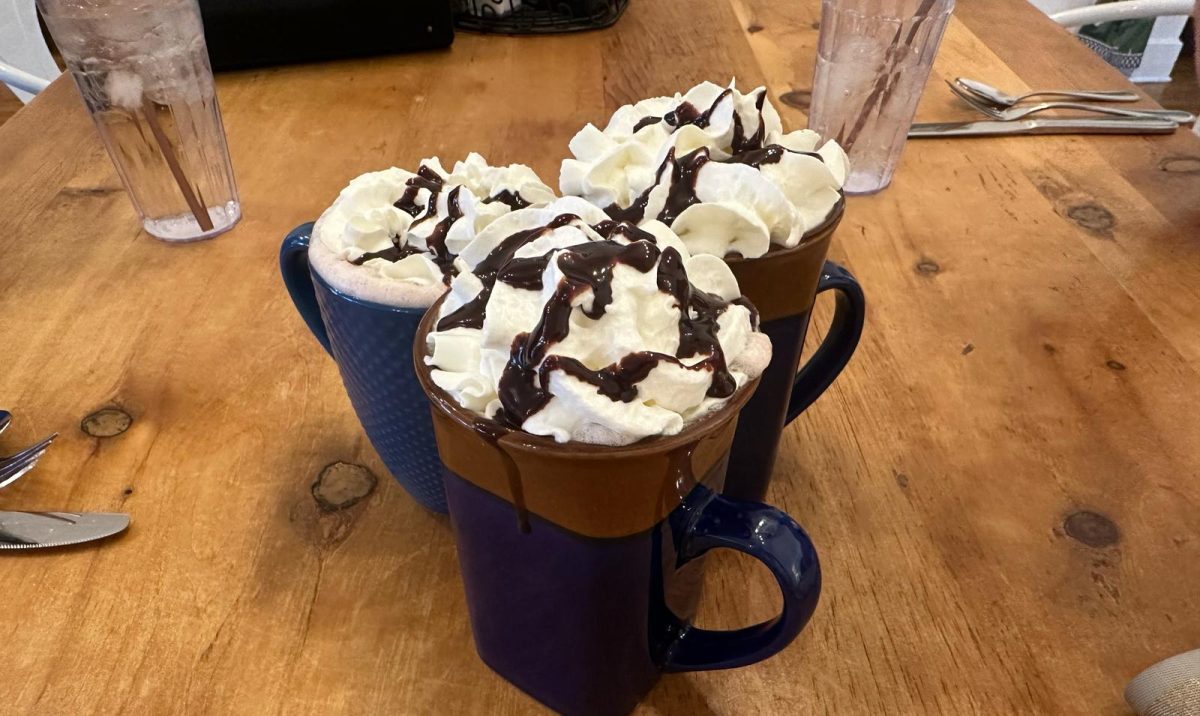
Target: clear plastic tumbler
(142, 68)
(873, 59)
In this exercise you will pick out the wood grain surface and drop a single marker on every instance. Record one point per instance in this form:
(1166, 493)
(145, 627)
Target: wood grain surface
(1004, 485)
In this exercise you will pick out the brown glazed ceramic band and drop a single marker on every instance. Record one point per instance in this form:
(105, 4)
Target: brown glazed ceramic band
(592, 490)
(784, 282)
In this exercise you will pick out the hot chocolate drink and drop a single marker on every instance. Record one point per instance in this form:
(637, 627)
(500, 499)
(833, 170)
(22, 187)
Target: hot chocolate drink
(716, 166)
(363, 276)
(585, 377)
(391, 236)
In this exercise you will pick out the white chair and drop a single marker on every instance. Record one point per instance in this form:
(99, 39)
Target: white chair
(1124, 10)
(1127, 10)
(25, 62)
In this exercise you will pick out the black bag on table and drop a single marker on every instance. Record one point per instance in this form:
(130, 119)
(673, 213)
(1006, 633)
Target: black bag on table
(255, 33)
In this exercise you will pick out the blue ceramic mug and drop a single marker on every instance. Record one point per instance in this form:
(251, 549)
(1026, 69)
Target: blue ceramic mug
(582, 564)
(783, 285)
(372, 345)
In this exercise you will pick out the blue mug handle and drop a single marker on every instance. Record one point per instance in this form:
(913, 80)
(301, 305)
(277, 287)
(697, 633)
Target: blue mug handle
(707, 521)
(834, 353)
(293, 265)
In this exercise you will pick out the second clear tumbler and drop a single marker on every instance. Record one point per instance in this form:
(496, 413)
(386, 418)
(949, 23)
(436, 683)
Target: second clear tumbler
(873, 59)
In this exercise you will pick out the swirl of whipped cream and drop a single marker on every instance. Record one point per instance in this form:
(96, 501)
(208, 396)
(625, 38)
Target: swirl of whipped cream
(715, 165)
(567, 324)
(392, 236)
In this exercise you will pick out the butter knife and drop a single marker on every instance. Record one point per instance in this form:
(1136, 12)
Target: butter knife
(1048, 125)
(33, 530)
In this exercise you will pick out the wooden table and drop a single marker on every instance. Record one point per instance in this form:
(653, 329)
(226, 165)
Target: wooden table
(1003, 485)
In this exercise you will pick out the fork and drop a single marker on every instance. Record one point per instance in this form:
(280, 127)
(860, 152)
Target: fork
(993, 96)
(1014, 113)
(14, 466)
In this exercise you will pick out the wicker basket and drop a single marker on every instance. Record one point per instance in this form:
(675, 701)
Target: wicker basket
(529, 17)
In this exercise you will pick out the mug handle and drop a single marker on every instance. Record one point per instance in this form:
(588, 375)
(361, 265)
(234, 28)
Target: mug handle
(293, 265)
(834, 352)
(707, 521)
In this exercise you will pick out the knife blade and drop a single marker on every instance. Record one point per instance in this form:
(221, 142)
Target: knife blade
(1049, 125)
(34, 530)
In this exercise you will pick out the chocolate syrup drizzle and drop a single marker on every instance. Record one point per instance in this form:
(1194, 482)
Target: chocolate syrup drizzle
(472, 313)
(429, 180)
(682, 191)
(436, 241)
(742, 143)
(524, 383)
(392, 253)
(685, 171)
(686, 113)
(491, 433)
(645, 122)
(748, 150)
(512, 198)
(613, 229)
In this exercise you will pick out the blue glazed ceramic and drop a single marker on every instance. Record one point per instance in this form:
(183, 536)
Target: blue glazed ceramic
(582, 564)
(586, 625)
(784, 393)
(372, 345)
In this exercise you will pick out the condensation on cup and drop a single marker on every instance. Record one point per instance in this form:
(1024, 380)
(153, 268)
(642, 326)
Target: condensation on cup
(142, 69)
(873, 59)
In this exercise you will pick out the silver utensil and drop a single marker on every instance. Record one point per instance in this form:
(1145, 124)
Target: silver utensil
(1015, 113)
(14, 466)
(5, 419)
(33, 530)
(1002, 99)
(1042, 126)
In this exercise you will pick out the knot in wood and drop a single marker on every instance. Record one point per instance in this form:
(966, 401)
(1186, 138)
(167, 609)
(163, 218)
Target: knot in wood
(1091, 528)
(1092, 216)
(106, 423)
(1180, 165)
(1115, 365)
(341, 485)
(928, 267)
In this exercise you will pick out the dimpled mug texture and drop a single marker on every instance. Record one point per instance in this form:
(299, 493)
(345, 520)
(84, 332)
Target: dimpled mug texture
(373, 347)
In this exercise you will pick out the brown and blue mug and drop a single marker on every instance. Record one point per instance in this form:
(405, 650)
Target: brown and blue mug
(581, 563)
(783, 285)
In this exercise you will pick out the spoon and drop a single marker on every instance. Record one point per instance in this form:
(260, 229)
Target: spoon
(1001, 99)
(1010, 114)
(5, 419)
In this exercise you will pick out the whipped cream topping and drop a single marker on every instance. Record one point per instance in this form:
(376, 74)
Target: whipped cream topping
(714, 164)
(392, 236)
(565, 323)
